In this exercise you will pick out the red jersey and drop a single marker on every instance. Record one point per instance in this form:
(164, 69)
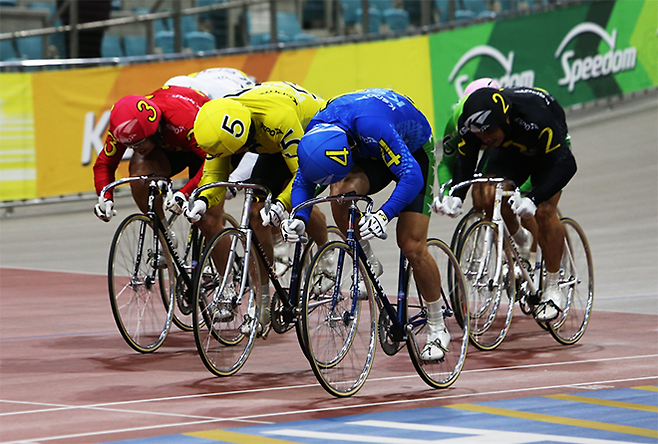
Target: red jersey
(179, 107)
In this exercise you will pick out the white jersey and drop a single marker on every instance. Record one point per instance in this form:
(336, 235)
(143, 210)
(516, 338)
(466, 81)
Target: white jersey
(213, 82)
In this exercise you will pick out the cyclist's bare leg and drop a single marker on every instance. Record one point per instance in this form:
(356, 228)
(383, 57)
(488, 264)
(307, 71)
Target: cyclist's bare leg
(357, 181)
(412, 239)
(317, 226)
(551, 233)
(480, 198)
(154, 162)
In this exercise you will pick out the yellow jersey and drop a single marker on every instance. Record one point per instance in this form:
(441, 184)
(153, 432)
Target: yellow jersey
(280, 113)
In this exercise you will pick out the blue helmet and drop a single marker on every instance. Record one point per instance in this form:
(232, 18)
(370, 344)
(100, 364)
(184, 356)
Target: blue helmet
(324, 154)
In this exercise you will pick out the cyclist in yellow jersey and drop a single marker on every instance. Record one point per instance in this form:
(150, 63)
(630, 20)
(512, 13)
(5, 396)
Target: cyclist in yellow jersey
(270, 119)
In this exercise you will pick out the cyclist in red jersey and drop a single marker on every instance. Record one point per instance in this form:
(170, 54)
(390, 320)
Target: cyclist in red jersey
(159, 130)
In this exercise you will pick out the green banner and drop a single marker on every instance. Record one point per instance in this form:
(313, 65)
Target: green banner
(579, 54)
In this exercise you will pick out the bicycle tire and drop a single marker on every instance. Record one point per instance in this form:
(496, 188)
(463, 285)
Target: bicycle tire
(444, 372)
(339, 333)
(463, 225)
(491, 304)
(141, 292)
(183, 230)
(576, 267)
(226, 318)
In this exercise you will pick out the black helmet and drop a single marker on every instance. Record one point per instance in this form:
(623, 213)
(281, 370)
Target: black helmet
(484, 109)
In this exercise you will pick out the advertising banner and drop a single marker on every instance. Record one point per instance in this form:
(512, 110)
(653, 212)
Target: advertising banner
(53, 123)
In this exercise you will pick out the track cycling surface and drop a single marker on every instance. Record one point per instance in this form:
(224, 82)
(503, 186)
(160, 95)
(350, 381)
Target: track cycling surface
(66, 375)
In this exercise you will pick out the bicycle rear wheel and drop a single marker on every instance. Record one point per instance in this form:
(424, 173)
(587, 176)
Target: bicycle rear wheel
(140, 280)
(490, 298)
(577, 285)
(339, 332)
(444, 372)
(226, 308)
(183, 230)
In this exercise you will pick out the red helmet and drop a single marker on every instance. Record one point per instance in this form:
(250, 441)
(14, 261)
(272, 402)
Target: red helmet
(134, 118)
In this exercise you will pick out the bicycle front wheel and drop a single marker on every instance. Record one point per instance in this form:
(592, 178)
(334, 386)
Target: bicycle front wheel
(140, 280)
(576, 283)
(226, 303)
(444, 372)
(491, 296)
(339, 331)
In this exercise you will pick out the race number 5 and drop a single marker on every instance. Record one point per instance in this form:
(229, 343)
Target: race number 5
(235, 128)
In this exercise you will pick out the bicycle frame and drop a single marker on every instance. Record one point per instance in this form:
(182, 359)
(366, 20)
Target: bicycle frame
(286, 298)
(157, 185)
(397, 314)
(504, 235)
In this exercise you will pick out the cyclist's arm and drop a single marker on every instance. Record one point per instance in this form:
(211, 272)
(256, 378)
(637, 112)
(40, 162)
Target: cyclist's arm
(107, 163)
(465, 163)
(288, 140)
(215, 169)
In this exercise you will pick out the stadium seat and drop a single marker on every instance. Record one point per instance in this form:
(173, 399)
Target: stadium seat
(200, 41)
(111, 46)
(443, 6)
(381, 5)
(134, 45)
(7, 51)
(349, 8)
(289, 26)
(30, 47)
(165, 41)
(396, 19)
(7, 3)
(374, 19)
(188, 24)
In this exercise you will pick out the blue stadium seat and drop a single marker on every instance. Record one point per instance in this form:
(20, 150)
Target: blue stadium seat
(381, 5)
(396, 19)
(7, 3)
(200, 41)
(288, 25)
(7, 51)
(165, 41)
(443, 6)
(134, 45)
(374, 19)
(111, 46)
(188, 24)
(349, 8)
(30, 47)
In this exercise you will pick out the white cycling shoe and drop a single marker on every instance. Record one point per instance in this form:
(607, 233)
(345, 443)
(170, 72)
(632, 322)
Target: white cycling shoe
(552, 303)
(436, 344)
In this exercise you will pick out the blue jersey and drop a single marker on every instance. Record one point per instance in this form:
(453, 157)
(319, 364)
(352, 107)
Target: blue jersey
(384, 125)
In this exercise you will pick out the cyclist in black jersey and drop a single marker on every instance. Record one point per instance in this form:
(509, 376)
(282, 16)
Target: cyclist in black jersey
(527, 131)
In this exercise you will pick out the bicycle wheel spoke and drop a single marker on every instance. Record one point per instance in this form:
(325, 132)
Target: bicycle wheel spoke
(444, 372)
(491, 295)
(141, 296)
(226, 308)
(577, 284)
(338, 331)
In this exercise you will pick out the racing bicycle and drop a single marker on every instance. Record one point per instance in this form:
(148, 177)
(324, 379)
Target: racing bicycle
(340, 327)
(497, 276)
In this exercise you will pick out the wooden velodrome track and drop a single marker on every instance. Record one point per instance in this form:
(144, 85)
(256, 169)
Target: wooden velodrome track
(66, 376)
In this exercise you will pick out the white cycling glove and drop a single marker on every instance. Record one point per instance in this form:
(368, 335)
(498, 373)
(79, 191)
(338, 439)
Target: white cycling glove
(176, 202)
(104, 209)
(274, 216)
(449, 206)
(373, 224)
(523, 207)
(195, 213)
(292, 230)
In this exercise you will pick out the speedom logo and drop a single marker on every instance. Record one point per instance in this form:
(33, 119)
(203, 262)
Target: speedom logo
(591, 67)
(525, 78)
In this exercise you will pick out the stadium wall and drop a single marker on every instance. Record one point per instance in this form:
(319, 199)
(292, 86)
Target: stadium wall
(53, 123)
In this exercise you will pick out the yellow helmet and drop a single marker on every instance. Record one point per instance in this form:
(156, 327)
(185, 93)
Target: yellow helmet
(222, 126)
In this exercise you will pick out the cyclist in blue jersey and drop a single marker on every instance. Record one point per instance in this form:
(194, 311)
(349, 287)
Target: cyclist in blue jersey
(360, 142)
